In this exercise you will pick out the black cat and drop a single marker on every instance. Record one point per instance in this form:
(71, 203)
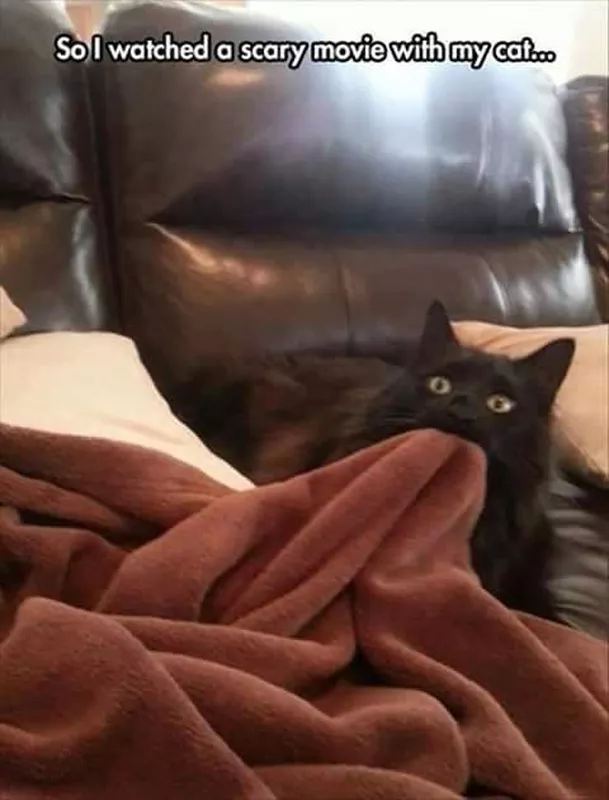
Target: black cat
(278, 417)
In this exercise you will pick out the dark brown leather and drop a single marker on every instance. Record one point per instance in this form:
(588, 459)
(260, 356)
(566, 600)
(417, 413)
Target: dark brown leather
(586, 105)
(189, 293)
(275, 209)
(329, 146)
(51, 255)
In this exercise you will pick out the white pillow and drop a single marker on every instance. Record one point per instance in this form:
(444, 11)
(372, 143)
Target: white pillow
(94, 384)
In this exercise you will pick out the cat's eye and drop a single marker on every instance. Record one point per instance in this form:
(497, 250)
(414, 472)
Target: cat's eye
(500, 403)
(438, 384)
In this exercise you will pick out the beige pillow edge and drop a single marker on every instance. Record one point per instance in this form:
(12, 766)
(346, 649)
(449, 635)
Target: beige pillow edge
(575, 452)
(159, 430)
(11, 316)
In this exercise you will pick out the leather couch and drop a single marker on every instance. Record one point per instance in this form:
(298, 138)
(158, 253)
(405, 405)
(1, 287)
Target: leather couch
(197, 207)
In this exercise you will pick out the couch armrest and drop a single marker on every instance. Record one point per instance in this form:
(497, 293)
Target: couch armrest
(585, 104)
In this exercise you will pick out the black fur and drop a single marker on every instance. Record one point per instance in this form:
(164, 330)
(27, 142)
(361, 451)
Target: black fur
(275, 418)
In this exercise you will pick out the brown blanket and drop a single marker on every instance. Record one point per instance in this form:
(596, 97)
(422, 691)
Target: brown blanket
(163, 638)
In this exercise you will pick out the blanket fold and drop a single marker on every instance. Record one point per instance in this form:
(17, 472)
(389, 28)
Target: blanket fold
(165, 638)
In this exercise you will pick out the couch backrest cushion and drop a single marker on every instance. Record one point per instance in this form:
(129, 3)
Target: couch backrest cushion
(586, 106)
(258, 207)
(51, 255)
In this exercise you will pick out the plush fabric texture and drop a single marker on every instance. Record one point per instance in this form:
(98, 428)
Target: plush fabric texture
(11, 317)
(581, 408)
(94, 384)
(166, 637)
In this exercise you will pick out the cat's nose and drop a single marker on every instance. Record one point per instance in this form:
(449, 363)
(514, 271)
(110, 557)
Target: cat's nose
(462, 408)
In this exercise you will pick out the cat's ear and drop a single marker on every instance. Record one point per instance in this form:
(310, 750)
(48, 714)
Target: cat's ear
(548, 367)
(438, 340)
